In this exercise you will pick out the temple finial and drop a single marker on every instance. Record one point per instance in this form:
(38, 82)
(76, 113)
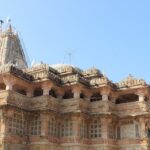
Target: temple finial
(9, 28)
(9, 24)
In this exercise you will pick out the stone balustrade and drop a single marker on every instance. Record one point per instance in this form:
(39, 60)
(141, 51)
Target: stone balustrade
(44, 103)
(14, 99)
(73, 104)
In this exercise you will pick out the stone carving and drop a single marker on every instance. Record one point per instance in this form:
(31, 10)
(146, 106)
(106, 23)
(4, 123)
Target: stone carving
(130, 81)
(99, 81)
(43, 71)
(10, 68)
(76, 78)
(92, 72)
(64, 69)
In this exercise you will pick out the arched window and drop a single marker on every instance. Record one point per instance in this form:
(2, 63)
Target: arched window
(96, 97)
(82, 95)
(38, 92)
(127, 98)
(137, 131)
(23, 92)
(52, 127)
(118, 135)
(35, 125)
(95, 129)
(147, 126)
(111, 131)
(52, 93)
(17, 124)
(66, 128)
(148, 133)
(2, 86)
(68, 94)
(83, 129)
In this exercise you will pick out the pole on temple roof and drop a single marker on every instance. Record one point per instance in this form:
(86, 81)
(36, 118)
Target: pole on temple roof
(69, 53)
(70, 56)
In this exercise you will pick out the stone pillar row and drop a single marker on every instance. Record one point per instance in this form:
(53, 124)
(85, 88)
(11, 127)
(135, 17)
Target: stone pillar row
(46, 87)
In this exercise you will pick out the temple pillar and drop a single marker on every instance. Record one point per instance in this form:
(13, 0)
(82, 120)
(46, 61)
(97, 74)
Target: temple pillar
(141, 94)
(76, 126)
(141, 97)
(46, 87)
(105, 94)
(76, 92)
(105, 97)
(46, 90)
(44, 124)
(9, 82)
(104, 128)
(142, 127)
(3, 121)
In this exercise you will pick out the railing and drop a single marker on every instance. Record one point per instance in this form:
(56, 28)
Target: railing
(101, 107)
(132, 108)
(36, 103)
(13, 98)
(73, 105)
(44, 102)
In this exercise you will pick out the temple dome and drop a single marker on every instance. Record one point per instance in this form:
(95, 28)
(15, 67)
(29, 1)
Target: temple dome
(62, 67)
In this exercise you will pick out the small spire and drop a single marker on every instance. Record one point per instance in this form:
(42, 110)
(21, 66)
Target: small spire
(8, 20)
(9, 28)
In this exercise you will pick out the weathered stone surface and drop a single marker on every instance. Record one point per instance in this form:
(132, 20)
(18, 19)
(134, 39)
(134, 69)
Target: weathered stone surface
(61, 107)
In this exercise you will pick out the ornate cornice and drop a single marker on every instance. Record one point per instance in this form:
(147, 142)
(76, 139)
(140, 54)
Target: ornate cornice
(130, 81)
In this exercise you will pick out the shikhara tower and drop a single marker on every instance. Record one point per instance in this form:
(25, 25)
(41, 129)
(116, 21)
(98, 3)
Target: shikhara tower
(11, 51)
(61, 107)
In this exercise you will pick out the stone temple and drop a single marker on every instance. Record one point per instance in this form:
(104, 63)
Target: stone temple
(61, 107)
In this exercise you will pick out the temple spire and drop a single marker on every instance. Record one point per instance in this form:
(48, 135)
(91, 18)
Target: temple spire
(11, 51)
